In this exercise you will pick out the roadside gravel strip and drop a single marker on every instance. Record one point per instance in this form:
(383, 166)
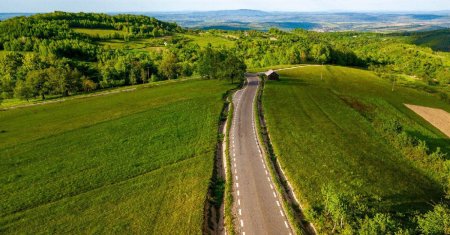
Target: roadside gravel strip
(257, 205)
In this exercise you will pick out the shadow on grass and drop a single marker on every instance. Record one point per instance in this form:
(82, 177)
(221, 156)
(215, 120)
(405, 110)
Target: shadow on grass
(290, 82)
(404, 203)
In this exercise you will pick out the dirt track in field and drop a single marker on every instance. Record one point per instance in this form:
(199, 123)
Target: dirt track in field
(437, 117)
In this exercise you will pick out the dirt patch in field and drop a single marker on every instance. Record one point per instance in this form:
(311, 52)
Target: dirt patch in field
(362, 108)
(437, 117)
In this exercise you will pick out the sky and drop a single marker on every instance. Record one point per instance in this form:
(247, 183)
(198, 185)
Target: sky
(204, 5)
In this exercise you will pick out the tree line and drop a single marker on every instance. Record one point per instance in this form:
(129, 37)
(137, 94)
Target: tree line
(48, 58)
(381, 53)
(45, 47)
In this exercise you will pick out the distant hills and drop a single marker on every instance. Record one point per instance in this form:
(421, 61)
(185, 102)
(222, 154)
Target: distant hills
(245, 19)
(319, 21)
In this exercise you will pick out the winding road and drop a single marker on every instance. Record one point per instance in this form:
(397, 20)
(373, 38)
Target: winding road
(257, 205)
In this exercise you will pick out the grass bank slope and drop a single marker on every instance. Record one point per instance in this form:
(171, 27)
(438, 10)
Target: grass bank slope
(133, 162)
(342, 167)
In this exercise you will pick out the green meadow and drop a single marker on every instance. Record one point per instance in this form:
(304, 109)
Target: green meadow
(145, 45)
(98, 32)
(130, 162)
(324, 141)
(207, 38)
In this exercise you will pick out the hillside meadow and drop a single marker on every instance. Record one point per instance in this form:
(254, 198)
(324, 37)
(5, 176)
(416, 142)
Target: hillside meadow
(206, 38)
(131, 162)
(99, 32)
(333, 138)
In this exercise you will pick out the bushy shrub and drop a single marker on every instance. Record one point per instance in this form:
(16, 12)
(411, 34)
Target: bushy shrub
(436, 221)
(444, 97)
(379, 224)
(155, 78)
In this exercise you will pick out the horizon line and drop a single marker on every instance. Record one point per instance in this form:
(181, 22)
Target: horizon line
(242, 9)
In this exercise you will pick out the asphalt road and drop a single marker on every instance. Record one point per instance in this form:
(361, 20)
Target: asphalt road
(257, 205)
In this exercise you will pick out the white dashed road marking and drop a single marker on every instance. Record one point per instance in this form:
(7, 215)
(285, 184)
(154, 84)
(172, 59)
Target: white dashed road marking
(238, 96)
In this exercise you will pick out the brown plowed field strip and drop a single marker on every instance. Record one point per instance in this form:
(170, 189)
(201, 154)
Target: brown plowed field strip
(437, 117)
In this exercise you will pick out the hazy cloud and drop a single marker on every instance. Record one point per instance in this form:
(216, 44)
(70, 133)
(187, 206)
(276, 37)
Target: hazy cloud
(181, 5)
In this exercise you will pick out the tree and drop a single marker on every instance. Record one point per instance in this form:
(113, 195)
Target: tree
(294, 56)
(38, 81)
(207, 63)
(57, 80)
(73, 81)
(303, 56)
(221, 64)
(23, 90)
(9, 65)
(7, 83)
(87, 84)
(186, 69)
(169, 67)
(320, 53)
(233, 67)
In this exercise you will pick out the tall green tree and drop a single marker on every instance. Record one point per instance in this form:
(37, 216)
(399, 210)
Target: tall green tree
(23, 90)
(320, 53)
(207, 64)
(169, 67)
(39, 83)
(233, 67)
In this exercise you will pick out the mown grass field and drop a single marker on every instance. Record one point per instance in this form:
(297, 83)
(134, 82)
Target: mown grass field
(206, 38)
(322, 141)
(132, 162)
(145, 45)
(98, 32)
(157, 44)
